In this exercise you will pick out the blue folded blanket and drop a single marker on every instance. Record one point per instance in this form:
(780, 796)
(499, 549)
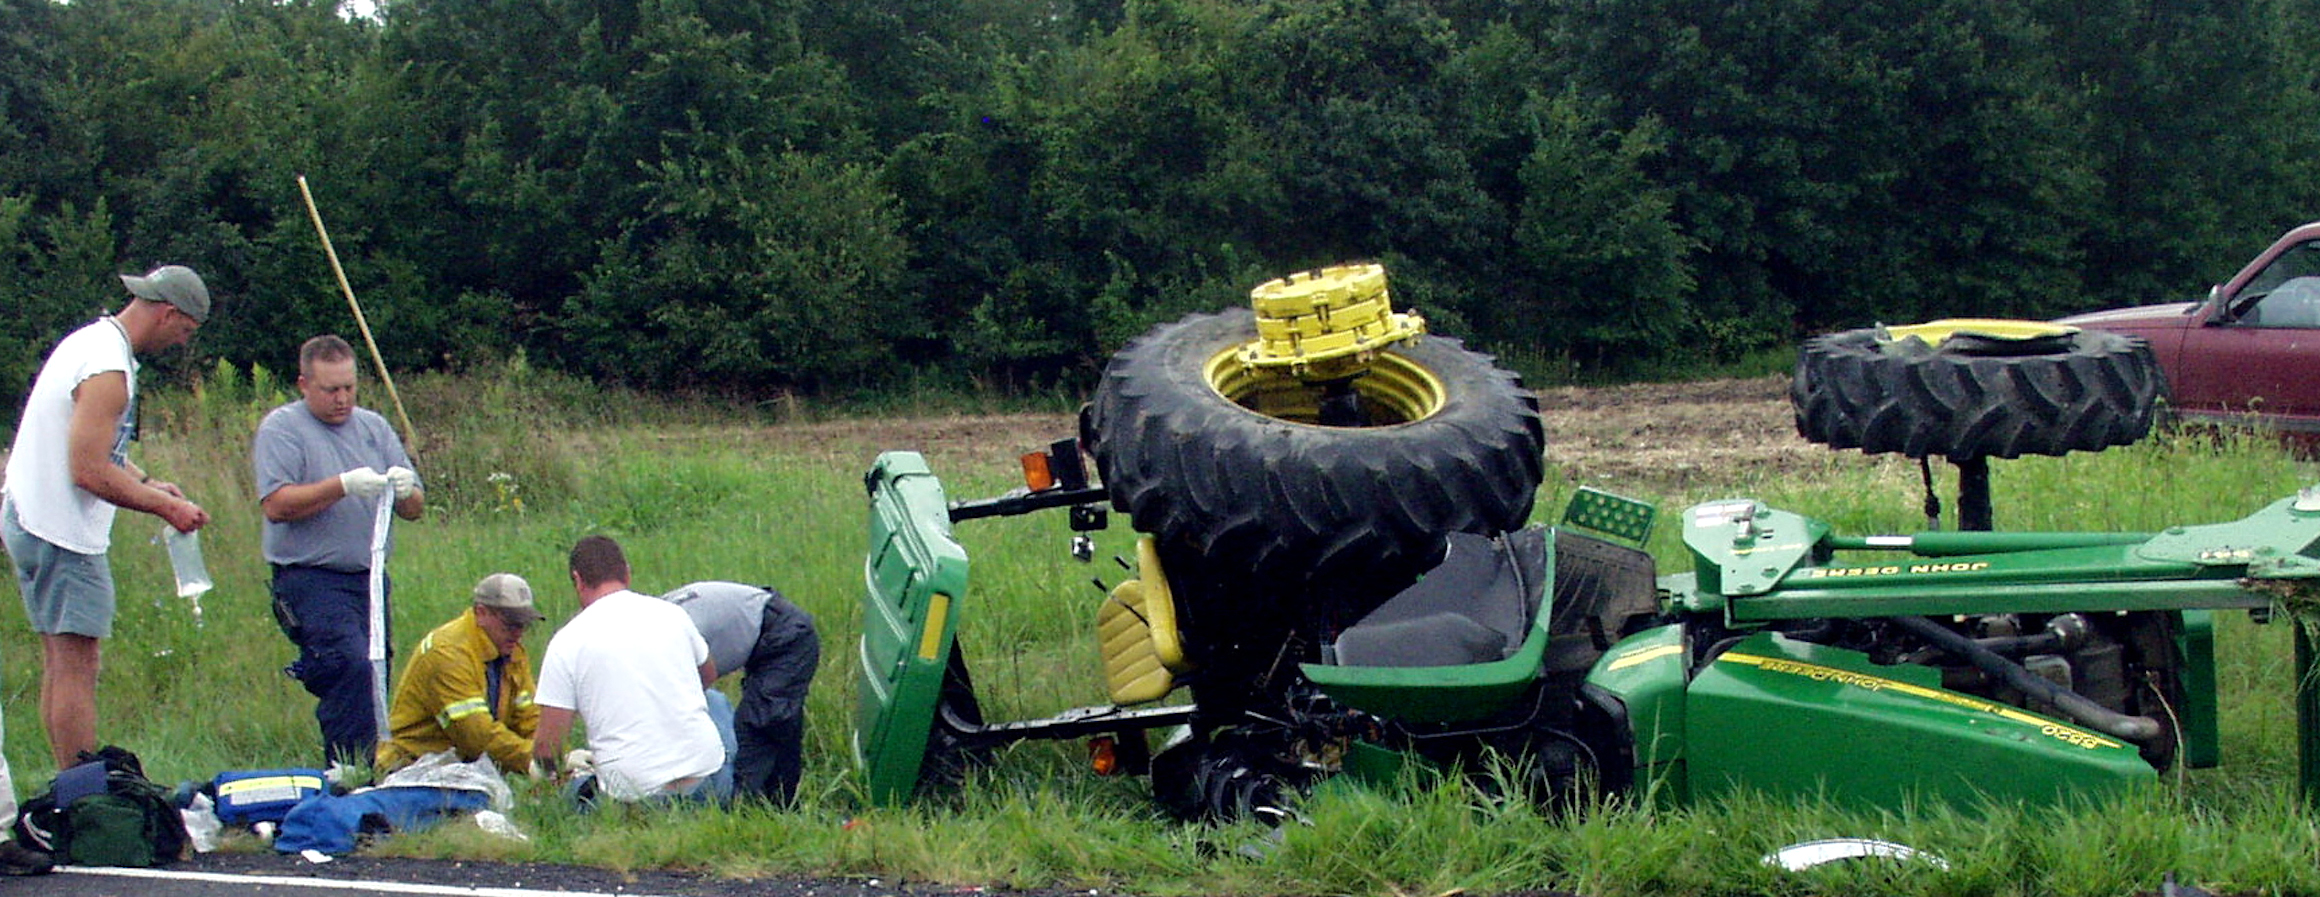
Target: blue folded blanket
(329, 823)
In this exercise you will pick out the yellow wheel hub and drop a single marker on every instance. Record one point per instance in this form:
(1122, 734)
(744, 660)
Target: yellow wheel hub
(1326, 324)
(1321, 330)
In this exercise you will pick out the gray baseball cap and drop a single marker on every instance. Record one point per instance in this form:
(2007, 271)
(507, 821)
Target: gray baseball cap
(510, 595)
(174, 284)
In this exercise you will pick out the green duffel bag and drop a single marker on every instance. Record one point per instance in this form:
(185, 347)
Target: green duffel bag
(104, 812)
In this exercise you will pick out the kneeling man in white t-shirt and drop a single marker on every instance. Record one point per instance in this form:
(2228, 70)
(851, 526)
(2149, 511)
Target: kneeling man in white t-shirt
(637, 674)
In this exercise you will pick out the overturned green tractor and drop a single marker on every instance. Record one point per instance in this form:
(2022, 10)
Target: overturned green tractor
(1335, 576)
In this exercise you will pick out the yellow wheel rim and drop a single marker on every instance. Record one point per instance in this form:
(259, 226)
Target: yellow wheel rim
(1395, 390)
(1934, 333)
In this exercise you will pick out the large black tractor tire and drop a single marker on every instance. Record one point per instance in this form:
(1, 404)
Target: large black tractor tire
(1973, 397)
(1281, 505)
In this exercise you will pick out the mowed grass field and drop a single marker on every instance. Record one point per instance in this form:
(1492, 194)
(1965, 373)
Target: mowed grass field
(520, 464)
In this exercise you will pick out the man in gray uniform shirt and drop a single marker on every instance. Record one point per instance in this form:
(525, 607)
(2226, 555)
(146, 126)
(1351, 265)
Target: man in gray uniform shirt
(322, 466)
(772, 642)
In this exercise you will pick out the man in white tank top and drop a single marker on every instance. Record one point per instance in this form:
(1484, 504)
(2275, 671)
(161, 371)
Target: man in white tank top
(67, 472)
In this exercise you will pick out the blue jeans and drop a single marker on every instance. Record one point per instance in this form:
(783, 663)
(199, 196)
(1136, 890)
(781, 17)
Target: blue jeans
(719, 784)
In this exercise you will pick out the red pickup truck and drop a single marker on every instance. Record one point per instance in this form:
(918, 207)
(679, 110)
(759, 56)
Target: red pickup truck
(2250, 352)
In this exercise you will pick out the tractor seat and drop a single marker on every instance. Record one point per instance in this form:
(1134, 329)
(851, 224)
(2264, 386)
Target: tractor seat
(1136, 632)
(1475, 606)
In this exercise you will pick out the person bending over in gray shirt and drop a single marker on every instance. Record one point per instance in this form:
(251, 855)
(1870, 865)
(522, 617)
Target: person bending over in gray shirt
(772, 643)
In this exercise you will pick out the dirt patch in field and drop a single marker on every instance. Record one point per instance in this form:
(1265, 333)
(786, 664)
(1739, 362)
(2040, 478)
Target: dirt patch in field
(1667, 437)
(1654, 437)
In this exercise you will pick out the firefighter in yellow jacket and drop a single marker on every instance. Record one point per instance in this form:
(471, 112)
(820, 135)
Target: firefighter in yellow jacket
(469, 686)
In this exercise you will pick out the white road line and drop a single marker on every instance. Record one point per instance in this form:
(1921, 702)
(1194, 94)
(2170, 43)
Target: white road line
(287, 881)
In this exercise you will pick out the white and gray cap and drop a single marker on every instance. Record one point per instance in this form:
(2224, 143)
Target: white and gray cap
(174, 284)
(508, 594)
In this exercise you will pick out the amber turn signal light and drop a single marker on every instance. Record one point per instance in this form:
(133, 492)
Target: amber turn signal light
(1104, 756)
(1035, 472)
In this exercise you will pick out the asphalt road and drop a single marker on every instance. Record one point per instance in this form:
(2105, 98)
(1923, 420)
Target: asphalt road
(289, 876)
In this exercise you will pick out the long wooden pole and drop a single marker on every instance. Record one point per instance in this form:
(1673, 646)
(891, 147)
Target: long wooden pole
(410, 434)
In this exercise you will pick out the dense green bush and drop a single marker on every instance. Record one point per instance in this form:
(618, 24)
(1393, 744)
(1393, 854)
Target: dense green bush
(788, 197)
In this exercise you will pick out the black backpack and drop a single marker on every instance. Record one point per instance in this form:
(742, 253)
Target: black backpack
(104, 812)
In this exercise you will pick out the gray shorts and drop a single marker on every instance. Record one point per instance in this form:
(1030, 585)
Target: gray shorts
(65, 592)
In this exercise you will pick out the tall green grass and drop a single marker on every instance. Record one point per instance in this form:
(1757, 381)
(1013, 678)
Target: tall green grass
(520, 464)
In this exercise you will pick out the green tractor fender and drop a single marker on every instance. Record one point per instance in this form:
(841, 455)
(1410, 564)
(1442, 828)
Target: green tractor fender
(1789, 716)
(1644, 677)
(915, 574)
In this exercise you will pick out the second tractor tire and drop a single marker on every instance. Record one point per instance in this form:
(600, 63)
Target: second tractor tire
(2085, 390)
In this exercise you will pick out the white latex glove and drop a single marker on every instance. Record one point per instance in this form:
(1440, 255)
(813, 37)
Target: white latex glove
(404, 480)
(363, 482)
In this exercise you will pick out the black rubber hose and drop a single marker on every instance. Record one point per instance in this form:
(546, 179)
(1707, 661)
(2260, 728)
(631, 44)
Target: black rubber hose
(2141, 730)
(2021, 645)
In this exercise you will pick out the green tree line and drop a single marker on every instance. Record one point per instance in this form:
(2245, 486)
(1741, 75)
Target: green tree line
(805, 196)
